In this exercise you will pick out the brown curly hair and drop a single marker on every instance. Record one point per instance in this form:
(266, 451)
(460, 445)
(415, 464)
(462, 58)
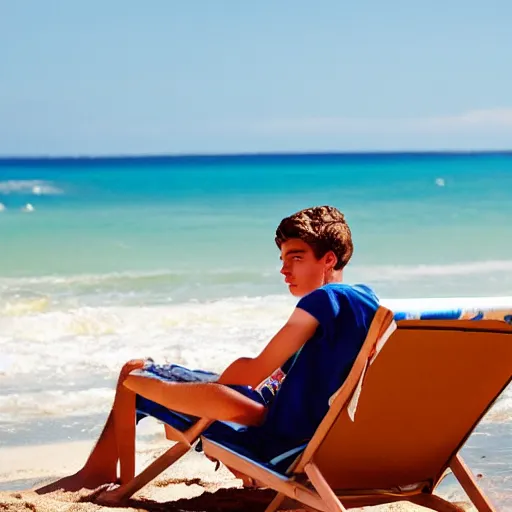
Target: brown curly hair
(323, 228)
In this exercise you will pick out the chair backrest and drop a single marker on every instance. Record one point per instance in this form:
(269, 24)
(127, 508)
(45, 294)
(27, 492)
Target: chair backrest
(421, 398)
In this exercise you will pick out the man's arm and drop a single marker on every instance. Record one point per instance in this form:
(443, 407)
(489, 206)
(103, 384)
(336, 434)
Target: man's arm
(290, 338)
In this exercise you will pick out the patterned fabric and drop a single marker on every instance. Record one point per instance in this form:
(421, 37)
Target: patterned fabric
(177, 373)
(270, 386)
(458, 314)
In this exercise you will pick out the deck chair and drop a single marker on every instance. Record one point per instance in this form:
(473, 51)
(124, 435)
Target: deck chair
(185, 430)
(390, 433)
(419, 401)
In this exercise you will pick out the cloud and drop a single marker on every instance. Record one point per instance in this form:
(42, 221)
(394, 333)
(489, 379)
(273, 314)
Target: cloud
(494, 116)
(485, 118)
(471, 121)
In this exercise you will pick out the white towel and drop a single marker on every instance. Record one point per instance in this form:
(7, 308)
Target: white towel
(352, 406)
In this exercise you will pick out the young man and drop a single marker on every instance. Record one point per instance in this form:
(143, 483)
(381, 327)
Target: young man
(315, 349)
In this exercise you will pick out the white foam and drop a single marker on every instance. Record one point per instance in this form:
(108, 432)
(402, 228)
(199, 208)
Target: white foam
(5, 363)
(19, 407)
(501, 411)
(98, 340)
(24, 306)
(33, 187)
(52, 351)
(406, 272)
(2, 207)
(98, 321)
(28, 208)
(80, 348)
(448, 303)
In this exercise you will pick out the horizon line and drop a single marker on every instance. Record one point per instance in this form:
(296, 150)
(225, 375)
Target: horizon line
(172, 156)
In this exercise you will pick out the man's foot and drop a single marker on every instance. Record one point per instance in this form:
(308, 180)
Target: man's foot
(111, 496)
(78, 481)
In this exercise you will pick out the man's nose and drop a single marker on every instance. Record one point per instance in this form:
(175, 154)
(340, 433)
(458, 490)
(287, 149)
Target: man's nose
(284, 269)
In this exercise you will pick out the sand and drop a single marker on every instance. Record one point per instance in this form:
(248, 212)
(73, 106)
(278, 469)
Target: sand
(191, 484)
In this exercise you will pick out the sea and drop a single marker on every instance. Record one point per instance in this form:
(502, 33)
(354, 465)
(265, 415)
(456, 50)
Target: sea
(107, 259)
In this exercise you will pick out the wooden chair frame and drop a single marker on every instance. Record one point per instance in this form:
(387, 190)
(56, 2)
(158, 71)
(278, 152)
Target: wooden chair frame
(307, 484)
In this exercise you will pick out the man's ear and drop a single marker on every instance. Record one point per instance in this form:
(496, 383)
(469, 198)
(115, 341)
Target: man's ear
(330, 259)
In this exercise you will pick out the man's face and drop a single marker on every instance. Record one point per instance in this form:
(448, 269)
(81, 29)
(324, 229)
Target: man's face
(302, 271)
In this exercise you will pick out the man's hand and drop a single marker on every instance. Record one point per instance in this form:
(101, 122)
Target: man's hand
(134, 364)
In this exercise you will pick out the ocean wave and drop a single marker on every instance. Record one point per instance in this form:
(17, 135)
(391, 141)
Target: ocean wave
(29, 187)
(25, 306)
(135, 288)
(20, 407)
(398, 272)
(54, 362)
(142, 321)
(86, 347)
(363, 272)
(38, 294)
(501, 411)
(158, 276)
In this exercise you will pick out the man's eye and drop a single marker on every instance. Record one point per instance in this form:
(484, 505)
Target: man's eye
(297, 258)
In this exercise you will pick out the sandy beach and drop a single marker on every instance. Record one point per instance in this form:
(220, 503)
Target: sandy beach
(191, 484)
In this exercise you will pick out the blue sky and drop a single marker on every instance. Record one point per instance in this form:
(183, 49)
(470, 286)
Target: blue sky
(89, 77)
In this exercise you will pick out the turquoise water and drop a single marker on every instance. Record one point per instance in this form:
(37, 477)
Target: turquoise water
(175, 258)
(173, 223)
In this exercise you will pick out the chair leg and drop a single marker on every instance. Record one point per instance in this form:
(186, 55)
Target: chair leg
(324, 490)
(274, 504)
(469, 484)
(127, 490)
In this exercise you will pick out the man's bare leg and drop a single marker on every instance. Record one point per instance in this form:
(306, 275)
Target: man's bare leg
(101, 466)
(210, 400)
(203, 400)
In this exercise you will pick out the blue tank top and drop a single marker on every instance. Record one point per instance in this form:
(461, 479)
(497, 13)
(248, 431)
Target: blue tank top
(314, 374)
